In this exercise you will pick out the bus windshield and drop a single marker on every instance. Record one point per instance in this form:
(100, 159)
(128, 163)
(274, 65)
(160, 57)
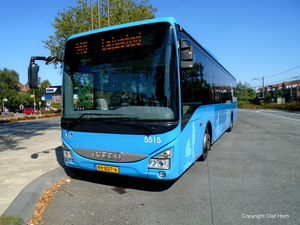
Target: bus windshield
(129, 72)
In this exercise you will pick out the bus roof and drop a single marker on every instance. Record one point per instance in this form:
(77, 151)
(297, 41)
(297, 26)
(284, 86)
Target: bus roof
(158, 20)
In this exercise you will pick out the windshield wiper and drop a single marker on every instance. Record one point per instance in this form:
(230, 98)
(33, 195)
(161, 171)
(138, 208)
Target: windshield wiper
(141, 124)
(79, 119)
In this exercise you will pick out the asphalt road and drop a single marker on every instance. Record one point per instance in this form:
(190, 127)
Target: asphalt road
(251, 176)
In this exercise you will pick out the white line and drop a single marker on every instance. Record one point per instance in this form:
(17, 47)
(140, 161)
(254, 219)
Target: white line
(283, 117)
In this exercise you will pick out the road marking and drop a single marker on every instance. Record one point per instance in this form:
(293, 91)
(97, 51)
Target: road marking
(283, 117)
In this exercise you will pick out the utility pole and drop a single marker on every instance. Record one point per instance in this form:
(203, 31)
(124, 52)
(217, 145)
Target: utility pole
(92, 14)
(99, 14)
(291, 91)
(263, 84)
(108, 20)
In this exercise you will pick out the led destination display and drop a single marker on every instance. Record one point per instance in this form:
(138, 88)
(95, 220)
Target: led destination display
(111, 43)
(122, 42)
(81, 47)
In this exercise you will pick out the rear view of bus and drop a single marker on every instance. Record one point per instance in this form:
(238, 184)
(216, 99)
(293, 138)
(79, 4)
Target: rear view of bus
(136, 102)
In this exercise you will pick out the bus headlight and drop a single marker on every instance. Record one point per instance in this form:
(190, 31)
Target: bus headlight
(161, 160)
(67, 152)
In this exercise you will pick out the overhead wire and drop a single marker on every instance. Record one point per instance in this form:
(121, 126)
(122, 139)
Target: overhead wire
(285, 80)
(282, 72)
(277, 74)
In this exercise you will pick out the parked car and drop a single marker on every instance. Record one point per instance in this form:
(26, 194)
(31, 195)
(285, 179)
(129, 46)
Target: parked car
(19, 110)
(49, 108)
(29, 111)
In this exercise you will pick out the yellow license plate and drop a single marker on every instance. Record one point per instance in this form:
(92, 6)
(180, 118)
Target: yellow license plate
(105, 168)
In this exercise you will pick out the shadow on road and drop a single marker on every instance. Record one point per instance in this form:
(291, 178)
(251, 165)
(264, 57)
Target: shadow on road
(12, 134)
(60, 156)
(120, 183)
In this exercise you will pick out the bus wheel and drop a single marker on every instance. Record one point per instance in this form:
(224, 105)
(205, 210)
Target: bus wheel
(206, 145)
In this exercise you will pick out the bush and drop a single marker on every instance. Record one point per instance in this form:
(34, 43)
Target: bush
(247, 105)
(292, 106)
(17, 119)
(262, 102)
(43, 111)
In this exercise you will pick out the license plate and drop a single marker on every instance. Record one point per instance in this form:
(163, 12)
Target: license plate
(105, 168)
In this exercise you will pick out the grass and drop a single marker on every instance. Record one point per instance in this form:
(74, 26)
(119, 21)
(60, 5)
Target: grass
(11, 220)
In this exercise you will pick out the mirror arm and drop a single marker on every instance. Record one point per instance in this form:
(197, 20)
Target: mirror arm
(48, 59)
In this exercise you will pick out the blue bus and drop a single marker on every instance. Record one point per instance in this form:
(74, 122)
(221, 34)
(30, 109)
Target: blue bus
(141, 99)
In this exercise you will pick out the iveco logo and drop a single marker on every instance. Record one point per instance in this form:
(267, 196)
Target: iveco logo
(111, 156)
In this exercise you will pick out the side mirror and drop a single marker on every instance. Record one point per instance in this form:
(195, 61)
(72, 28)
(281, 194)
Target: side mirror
(33, 70)
(186, 54)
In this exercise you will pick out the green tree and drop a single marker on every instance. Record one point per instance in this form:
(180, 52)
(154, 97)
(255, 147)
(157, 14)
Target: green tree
(268, 94)
(45, 84)
(245, 92)
(9, 80)
(23, 98)
(77, 19)
(279, 93)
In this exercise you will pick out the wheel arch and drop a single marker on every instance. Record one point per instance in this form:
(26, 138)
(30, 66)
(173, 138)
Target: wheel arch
(209, 128)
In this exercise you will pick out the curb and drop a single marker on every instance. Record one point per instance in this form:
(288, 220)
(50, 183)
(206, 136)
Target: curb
(25, 203)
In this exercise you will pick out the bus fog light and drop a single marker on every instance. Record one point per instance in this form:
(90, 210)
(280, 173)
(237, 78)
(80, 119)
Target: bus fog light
(68, 154)
(162, 173)
(159, 164)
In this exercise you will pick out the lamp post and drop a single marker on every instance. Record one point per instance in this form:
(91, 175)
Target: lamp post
(34, 99)
(33, 96)
(3, 100)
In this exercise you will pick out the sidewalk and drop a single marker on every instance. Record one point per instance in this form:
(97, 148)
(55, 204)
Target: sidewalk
(2, 117)
(16, 115)
(26, 157)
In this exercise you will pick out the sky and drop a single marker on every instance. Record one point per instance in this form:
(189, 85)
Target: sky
(252, 39)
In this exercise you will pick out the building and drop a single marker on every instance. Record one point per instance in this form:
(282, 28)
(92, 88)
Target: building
(290, 91)
(52, 94)
(23, 88)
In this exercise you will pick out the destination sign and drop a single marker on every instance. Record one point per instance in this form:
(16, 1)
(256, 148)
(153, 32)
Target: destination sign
(109, 43)
(121, 42)
(81, 47)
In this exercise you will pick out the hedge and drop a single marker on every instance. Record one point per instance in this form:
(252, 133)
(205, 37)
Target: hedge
(292, 106)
